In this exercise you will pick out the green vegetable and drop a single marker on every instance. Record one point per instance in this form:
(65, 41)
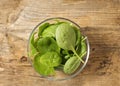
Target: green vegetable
(35, 42)
(71, 65)
(33, 51)
(66, 38)
(42, 69)
(78, 35)
(58, 46)
(47, 44)
(52, 59)
(83, 47)
(45, 64)
(42, 27)
(49, 31)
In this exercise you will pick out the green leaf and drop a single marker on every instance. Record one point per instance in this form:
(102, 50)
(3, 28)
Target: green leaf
(65, 36)
(50, 31)
(83, 46)
(33, 50)
(42, 27)
(71, 65)
(52, 59)
(42, 69)
(44, 64)
(35, 41)
(78, 35)
(47, 44)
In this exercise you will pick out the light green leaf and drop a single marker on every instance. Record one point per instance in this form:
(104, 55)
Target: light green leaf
(83, 46)
(33, 50)
(42, 69)
(52, 59)
(65, 36)
(49, 31)
(78, 35)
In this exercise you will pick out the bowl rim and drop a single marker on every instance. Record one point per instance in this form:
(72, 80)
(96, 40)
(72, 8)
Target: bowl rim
(86, 56)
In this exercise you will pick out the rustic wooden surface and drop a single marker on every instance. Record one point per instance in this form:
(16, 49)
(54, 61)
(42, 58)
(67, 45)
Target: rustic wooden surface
(99, 20)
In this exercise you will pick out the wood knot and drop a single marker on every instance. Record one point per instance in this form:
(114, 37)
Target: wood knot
(93, 49)
(23, 59)
(6, 35)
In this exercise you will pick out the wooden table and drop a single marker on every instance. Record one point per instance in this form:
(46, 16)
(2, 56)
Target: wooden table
(99, 20)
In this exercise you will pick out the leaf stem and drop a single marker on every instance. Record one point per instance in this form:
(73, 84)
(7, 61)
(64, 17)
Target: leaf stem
(77, 55)
(84, 38)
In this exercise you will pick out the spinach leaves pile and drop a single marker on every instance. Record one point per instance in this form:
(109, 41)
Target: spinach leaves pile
(58, 45)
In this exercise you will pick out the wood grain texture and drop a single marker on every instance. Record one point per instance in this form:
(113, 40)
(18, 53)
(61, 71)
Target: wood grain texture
(99, 20)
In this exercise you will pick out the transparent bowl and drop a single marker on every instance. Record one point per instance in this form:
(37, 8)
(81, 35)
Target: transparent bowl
(60, 75)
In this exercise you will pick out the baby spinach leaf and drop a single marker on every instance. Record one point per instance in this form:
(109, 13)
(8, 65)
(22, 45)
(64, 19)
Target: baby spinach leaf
(32, 39)
(65, 36)
(71, 65)
(42, 69)
(33, 50)
(47, 44)
(35, 42)
(78, 35)
(41, 28)
(83, 46)
(49, 31)
(78, 41)
(49, 71)
(52, 59)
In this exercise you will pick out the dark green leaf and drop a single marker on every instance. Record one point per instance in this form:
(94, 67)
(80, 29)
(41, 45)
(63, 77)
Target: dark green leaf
(47, 44)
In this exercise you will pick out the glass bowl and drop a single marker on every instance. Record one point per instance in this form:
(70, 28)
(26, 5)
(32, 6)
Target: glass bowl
(59, 74)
